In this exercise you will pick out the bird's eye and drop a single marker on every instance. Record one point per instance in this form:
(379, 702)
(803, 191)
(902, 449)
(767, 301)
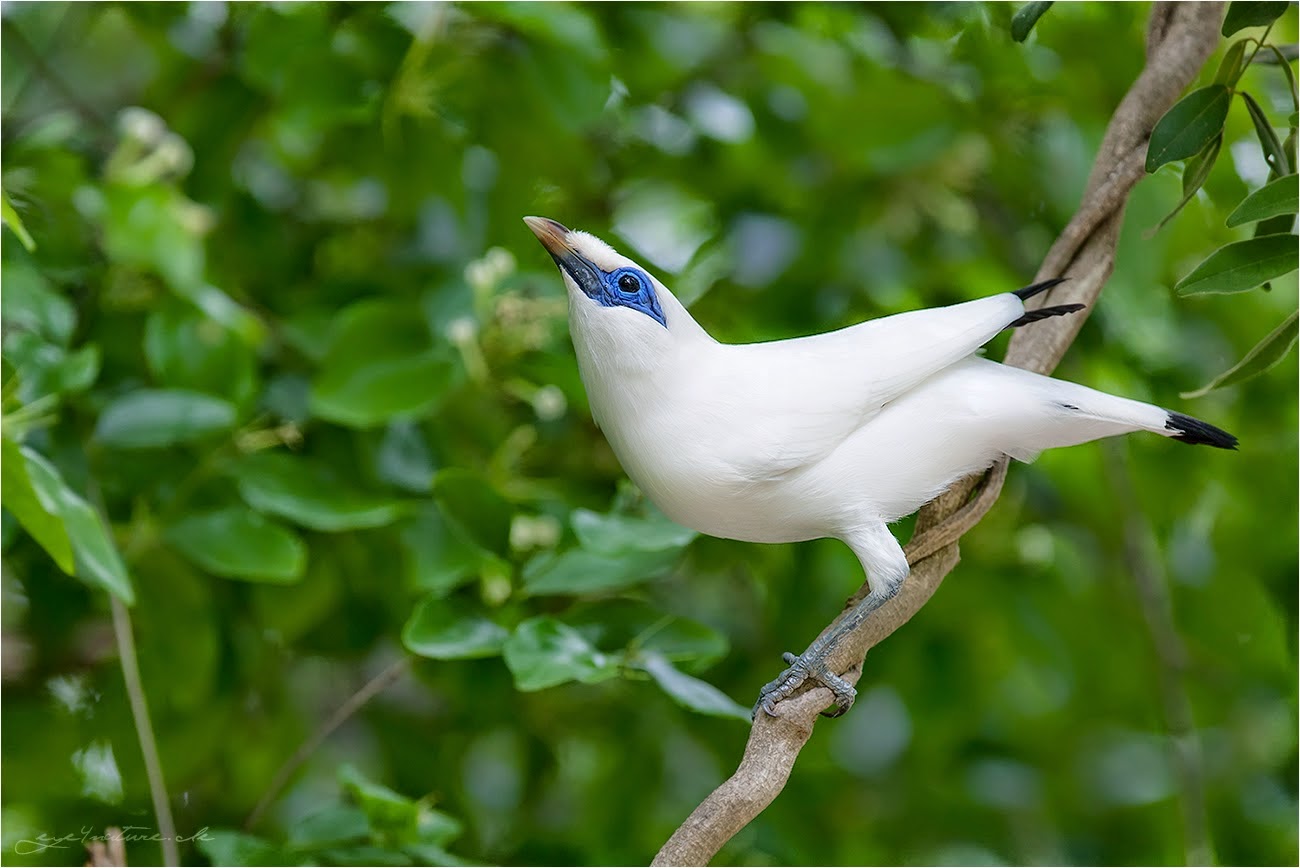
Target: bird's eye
(629, 284)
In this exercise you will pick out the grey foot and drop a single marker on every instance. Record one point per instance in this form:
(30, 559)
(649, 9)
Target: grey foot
(811, 666)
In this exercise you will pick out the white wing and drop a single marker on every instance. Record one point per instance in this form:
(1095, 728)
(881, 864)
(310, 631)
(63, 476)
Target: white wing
(788, 404)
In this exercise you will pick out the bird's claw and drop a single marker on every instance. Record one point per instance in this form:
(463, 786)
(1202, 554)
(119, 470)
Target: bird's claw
(800, 671)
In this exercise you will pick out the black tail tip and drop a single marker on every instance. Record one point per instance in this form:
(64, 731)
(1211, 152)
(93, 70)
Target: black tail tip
(1042, 313)
(1029, 292)
(1196, 432)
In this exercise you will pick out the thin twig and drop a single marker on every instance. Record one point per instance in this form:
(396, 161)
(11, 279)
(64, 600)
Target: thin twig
(1180, 39)
(354, 703)
(144, 731)
(1142, 553)
(1259, 43)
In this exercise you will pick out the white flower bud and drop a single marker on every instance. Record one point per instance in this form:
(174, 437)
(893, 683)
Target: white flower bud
(478, 275)
(141, 124)
(549, 403)
(462, 330)
(501, 262)
(175, 155)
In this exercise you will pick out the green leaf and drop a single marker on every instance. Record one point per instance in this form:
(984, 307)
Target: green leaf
(38, 517)
(683, 641)
(1251, 14)
(544, 652)
(381, 364)
(436, 828)
(1195, 172)
(1275, 225)
(1242, 265)
(371, 855)
(98, 563)
(475, 507)
(1264, 356)
(237, 543)
(569, 28)
(437, 557)
(1189, 127)
(50, 370)
(613, 534)
(1276, 52)
(145, 227)
(310, 494)
(1232, 65)
(1197, 168)
(388, 812)
(691, 692)
(585, 572)
(1025, 18)
(186, 350)
(31, 303)
(332, 826)
(78, 370)
(154, 418)
(14, 222)
(1280, 196)
(1274, 154)
(228, 847)
(432, 854)
(443, 630)
(223, 309)
(403, 458)
(640, 626)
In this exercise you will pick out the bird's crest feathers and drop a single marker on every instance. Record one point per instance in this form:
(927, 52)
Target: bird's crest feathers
(603, 256)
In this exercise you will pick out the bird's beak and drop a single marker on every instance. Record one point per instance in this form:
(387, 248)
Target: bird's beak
(554, 237)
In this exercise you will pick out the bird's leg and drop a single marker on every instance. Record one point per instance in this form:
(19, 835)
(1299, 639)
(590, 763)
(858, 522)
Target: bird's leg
(886, 568)
(811, 665)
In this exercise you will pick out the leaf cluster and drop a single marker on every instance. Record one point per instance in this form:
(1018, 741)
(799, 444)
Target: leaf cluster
(1192, 131)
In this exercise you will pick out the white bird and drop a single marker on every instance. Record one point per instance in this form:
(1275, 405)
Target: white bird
(830, 435)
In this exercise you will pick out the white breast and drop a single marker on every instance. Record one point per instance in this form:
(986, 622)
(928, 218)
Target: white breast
(674, 434)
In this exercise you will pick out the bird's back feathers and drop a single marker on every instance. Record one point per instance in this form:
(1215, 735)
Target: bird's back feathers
(790, 403)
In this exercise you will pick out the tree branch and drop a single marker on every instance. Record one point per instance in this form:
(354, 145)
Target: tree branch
(1180, 37)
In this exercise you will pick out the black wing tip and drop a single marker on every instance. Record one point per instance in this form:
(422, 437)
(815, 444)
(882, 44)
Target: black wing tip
(1032, 290)
(1045, 312)
(1198, 433)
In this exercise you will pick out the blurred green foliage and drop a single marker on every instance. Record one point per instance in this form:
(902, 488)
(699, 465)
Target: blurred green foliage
(284, 367)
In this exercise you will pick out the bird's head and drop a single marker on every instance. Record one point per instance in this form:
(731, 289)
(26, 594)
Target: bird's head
(610, 293)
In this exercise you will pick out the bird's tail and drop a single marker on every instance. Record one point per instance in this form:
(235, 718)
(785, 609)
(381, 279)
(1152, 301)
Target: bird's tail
(1041, 313)
(1045, 312)
(1027, 292)
(1032, 412)
(1096, 414)
(1196, 432)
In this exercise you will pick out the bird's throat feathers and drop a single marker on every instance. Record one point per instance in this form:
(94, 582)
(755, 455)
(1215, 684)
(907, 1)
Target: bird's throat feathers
(630, 340)
(616, 343)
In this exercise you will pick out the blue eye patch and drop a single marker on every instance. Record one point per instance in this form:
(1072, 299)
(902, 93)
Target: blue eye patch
(622, 287)
(630, 287)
